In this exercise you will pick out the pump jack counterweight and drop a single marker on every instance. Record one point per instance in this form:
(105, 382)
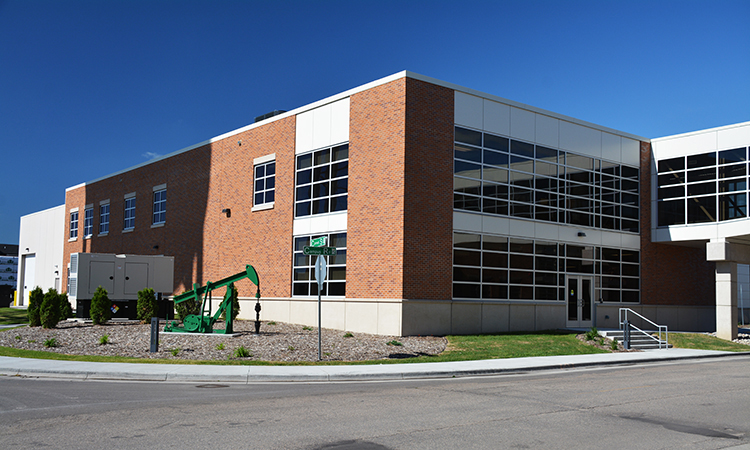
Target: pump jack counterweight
(204, 322)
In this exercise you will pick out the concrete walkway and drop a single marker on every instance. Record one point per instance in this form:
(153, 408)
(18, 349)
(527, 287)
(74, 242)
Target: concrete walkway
(252, 374)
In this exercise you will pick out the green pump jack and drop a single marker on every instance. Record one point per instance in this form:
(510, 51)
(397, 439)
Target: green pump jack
(204, 323)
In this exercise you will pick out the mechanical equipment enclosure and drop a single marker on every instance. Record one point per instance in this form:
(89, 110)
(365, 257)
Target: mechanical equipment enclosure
(122, 276)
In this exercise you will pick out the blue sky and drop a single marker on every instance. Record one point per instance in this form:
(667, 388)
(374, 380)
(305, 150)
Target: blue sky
(88, 88)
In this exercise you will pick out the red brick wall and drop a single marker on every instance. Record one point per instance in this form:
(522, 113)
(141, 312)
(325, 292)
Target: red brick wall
(400, 217)
(428, 228)
(200, 183)
(375, 218)
(670, 274)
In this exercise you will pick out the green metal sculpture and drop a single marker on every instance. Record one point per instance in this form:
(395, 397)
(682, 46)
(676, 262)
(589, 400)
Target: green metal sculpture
(204, 323)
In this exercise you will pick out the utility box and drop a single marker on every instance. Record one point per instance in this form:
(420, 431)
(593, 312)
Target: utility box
(122, 276)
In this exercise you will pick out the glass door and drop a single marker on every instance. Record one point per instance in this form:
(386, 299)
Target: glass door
(579, 301)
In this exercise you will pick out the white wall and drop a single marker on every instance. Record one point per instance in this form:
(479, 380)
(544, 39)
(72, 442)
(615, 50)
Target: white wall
(544, 129)
(321, 127)
(41, 235)
(704, 141)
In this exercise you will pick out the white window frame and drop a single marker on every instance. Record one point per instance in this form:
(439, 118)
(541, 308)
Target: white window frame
(129, 213)
(102, 216)
(73, 235)
(159, 209)
(88, 221)
(264, 162)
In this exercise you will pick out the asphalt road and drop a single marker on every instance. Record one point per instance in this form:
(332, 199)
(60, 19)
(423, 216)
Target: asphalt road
(700, 404)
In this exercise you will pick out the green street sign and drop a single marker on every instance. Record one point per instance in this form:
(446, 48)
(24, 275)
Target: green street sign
(319, 242)
(326, 251)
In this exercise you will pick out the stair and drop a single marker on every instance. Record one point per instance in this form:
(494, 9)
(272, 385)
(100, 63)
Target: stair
(638, 340)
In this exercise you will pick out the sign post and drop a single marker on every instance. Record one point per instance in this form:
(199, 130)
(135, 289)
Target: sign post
(317, 247)
(320, 276)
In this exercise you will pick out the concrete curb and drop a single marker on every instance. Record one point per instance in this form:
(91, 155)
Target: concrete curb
(76, 370)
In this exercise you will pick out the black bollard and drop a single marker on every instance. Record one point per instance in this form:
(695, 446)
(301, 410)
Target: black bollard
(154, 334)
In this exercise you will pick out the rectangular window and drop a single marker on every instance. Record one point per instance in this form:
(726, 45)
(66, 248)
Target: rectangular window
(104, 218)
(88, 222)
(74, 224)
(321, 182)
(160, 207)
(265, 183)
(303, 278)
(129, 222)
(499, 176)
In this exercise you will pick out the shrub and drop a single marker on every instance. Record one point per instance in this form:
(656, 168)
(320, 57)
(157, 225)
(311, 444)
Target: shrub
(186, 308)
(104, 340)
(49, 312)
(66, 309)
(35, 303)
(235, 305)
(592, 334)
(241, 352)
(147, 305)
(99, 311)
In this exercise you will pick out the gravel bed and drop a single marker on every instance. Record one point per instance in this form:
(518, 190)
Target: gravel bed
(742, 338)
(276, 342)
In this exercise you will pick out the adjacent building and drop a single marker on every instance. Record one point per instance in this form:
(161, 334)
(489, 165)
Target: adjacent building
(452, 211)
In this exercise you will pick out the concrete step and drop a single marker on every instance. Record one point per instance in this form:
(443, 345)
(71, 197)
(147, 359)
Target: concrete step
(637, 340)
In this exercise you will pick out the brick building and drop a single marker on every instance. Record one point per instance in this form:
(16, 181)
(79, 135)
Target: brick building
(452, 211)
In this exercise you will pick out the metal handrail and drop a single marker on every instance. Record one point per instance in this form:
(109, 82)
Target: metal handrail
(660, 328)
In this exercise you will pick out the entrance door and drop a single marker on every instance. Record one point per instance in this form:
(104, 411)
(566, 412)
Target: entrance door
(29, 273)
(580, 293)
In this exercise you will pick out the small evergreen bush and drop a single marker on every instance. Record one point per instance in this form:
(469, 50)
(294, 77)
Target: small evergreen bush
(49, 312)
(99, 311)
(235, 306)
(66, 309)
(147, 305)
(186, 308)
(36, 297)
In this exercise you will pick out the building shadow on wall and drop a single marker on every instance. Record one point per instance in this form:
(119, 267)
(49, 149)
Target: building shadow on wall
(187, 176)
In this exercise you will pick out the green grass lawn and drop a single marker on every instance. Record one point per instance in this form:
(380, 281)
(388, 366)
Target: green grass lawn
(704, 342)
(12, 316)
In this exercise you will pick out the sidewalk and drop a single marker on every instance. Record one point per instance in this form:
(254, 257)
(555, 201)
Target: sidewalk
(254, 374)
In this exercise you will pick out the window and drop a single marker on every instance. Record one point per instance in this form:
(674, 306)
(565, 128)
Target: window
(265, 183)
(502, 176)
(74, 224)
(129, 222)
(696, 191)
(322, 180)
(303, 282)
(88, 222)
(489, 267)
(104, 218)
(160, 207)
